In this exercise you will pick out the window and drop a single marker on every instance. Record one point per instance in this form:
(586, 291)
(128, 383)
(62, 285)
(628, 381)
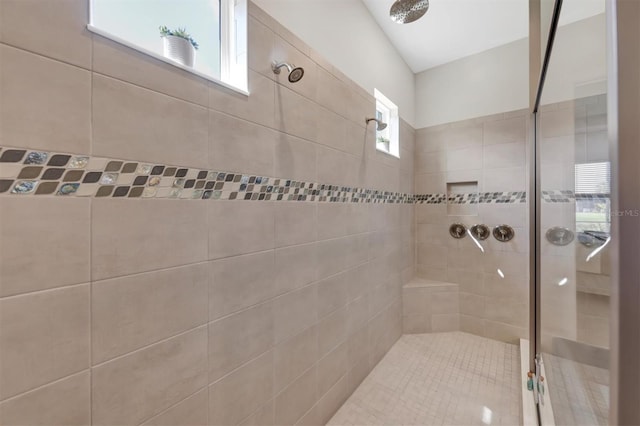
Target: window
(593, 199)
(205, 37)
(387, 139)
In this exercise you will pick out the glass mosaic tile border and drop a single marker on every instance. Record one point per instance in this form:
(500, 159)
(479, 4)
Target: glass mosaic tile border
(473, 198)
(568, 196)
(34, 172)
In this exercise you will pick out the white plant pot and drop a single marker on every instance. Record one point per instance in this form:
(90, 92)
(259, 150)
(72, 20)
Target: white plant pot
(179, 50)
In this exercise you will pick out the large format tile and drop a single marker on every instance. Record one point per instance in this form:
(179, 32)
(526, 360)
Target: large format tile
(238, 338)
(133, 123)
(295, 114)
(44, 336)
(45, 104)
(294, 312)
(295, 158)
(237, 145)
(41, 235)
(193, 411)
(239, 282)
(293, 402)
(133, 388)
(296, 223)
(152, 234)
(239, 227)
(121, 62)
(238, 395)
(257, 107)
(134, 311)
(65, 402)
(295, 267)
(294, 356)
(55, 29)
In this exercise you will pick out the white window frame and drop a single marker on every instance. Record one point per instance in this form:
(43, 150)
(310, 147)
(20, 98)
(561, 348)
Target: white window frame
(390, 115)
(233, 53)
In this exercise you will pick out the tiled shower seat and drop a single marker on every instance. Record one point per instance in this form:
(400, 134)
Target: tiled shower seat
(430, 306)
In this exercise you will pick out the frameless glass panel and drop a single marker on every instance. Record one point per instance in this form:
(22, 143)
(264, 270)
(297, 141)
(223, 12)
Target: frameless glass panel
(575, 176)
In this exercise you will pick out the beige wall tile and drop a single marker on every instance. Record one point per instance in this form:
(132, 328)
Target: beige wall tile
(293, 402)
(295, 114)
(258, 107)
(65, 402)
(295, 267)
(504, 332)
(239, 338)
(295, 158)
(332, 330)
(264, 416)
(133, 388)
(331, 257)
(239, 394)
(445, 322)
(505, 131)
(44, 336)
(134, 123)
(295, 311)
(237, 145)
(239, 227)
(54, 29)
(240, 282)
(45, 104)
(295, 223)
(504, 155)
(416, 324)
(331, 402)
(30, 230)
(261, 50)
(332, 368)
(332, 294)
(156, 234)
(331, 220)
(190, 412)
(134, 311)
(293, 356)
(115, 60)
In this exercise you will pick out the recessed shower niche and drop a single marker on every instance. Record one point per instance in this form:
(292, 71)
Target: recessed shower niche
(462, 198)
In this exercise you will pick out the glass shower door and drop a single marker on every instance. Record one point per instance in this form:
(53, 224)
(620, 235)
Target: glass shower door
(574, 222)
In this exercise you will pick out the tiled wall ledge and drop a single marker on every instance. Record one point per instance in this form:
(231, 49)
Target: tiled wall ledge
(28, 172)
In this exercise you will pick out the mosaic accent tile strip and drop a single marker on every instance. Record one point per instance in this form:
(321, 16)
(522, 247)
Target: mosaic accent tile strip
(30, 172)
(33, 172)
(473, 198)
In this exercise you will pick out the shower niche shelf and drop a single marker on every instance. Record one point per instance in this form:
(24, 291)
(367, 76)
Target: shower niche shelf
(462, 198)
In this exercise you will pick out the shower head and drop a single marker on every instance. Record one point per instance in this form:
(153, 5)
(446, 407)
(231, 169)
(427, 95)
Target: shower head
(295, 73)
(407, 11)
(381, 125)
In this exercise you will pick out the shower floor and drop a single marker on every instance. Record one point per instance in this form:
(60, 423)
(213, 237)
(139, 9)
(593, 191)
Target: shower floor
(439, 379)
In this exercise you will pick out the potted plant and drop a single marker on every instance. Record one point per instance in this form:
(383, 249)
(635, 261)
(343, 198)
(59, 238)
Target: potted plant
(179, 45)
(384, 143)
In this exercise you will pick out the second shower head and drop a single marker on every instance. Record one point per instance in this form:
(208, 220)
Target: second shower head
(295, 73)
(381, 125)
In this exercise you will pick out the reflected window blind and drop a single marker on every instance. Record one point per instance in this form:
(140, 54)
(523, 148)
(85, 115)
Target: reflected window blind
(593, 178)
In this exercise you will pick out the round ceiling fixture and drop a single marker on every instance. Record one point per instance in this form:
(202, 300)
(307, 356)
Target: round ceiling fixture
(406, 11)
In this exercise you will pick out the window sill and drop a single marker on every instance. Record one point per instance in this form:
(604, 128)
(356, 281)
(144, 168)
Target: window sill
(154, 55)
(384, 151)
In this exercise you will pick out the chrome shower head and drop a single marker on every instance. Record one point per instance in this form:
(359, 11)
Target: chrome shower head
(295, 73)
(407, 11)
(381, 125)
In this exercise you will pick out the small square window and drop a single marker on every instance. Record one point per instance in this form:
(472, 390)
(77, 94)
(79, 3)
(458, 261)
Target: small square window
(388, 138)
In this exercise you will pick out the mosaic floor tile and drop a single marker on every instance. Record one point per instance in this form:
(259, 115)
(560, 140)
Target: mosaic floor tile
(439, 379)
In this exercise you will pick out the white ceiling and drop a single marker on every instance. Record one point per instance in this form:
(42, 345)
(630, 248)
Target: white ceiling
(453, 29)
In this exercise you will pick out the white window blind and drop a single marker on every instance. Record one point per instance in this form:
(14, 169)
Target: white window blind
(593, 178)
